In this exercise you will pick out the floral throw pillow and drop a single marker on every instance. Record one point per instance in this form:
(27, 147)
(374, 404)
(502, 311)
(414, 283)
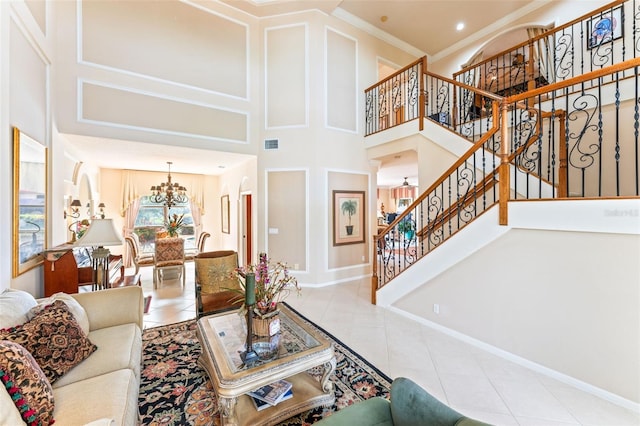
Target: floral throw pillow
(26, 384)
(54, 338)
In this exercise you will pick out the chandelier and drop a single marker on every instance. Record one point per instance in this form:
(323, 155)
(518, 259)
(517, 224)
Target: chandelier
(169, 193)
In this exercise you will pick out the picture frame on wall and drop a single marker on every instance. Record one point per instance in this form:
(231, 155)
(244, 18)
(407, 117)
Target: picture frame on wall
(348, 217)
(605, 28)
(224, 205)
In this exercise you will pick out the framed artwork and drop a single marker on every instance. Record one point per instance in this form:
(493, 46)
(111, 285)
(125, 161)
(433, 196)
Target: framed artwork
(348, 217)
(29, 202)
(604, 28)
(224, 205)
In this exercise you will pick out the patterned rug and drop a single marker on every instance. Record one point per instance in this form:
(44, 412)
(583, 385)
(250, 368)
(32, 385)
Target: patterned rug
(174, 390)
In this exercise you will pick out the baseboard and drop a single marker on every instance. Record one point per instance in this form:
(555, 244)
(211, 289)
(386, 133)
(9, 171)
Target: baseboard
(561, 377)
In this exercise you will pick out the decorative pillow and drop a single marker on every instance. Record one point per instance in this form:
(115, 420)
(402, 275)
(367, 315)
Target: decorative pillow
(54, 338)
(26, 384)
(76, 309)
(14, 306)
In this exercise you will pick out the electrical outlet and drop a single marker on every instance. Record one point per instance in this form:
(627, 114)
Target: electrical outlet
(296, 266)
(436, 308)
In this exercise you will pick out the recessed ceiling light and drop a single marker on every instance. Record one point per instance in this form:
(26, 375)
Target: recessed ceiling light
(384, 18)
(460, 26)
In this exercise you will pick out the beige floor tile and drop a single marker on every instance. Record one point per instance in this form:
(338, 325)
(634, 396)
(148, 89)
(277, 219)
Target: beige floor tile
(474, 382)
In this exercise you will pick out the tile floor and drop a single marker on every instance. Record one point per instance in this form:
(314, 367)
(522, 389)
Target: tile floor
(474, 382)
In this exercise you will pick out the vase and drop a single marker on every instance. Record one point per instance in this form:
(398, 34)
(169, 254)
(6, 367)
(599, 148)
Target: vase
(266, 325)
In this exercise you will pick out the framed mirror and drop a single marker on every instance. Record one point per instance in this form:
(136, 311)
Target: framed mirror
(29, 202)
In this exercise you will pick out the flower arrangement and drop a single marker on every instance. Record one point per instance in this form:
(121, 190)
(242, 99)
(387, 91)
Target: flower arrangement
(174, 224)
(272, 284)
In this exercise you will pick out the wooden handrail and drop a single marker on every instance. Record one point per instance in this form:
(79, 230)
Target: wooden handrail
(397, 73)
(467, 87)
(539, 37)
(591, 75)
(471, 151)
(487, 183)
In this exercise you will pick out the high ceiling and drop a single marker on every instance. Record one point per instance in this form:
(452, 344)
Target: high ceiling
(426, 26)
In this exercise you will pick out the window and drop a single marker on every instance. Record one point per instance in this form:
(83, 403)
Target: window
(152, 217)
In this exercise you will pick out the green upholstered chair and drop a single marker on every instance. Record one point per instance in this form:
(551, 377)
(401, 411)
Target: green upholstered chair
(409, 405)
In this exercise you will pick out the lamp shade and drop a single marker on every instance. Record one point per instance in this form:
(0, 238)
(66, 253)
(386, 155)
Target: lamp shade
(102, 232)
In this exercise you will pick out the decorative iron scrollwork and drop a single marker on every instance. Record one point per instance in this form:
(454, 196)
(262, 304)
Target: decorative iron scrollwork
(582, 151)
(564, 57)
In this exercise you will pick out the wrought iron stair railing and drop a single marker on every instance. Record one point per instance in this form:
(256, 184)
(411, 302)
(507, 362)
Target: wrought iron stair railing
(576, 138)
(598, 39)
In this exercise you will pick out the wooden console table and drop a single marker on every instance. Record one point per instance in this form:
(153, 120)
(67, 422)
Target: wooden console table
(66, 268)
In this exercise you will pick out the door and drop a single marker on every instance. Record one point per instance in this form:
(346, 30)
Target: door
(245, 228)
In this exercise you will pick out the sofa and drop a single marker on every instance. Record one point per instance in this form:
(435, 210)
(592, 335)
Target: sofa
(94, 378)
(408, 405)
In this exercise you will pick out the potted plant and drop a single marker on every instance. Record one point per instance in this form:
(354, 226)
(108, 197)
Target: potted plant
(407, 227)
(273, 284)
(348, 207)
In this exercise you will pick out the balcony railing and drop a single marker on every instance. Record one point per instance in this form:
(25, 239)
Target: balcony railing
(397, 99)
(604, 37)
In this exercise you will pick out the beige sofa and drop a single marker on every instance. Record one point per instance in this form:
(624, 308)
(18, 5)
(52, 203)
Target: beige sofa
(103, 388)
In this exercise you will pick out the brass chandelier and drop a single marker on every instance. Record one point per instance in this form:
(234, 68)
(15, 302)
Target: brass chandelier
(169, 193)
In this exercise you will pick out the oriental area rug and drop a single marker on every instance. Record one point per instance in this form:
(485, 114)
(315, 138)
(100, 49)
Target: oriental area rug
(175, 390)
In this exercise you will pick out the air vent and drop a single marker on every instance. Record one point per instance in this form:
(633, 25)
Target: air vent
(271, 144)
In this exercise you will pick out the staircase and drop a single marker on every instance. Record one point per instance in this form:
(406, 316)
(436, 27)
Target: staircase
(562, 124)
(527, 245)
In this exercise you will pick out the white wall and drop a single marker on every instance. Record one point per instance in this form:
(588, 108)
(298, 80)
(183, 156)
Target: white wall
(26, 54)
(559, 288)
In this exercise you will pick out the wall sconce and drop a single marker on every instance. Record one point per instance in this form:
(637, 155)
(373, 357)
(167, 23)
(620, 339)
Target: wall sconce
(101, 208)
(75, 209)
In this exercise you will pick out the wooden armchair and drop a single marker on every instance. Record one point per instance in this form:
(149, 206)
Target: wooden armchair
(139, 259)
(214, 275)
(169, 255)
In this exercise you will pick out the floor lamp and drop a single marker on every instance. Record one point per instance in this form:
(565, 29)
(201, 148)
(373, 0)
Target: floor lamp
(101, 233)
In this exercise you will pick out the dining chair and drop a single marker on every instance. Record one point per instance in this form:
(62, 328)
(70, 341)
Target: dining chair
(190, 254)
(169, 255)
(137, 256)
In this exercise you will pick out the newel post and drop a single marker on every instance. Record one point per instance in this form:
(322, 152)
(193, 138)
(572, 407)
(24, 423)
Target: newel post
(504, 173)
(422, 90)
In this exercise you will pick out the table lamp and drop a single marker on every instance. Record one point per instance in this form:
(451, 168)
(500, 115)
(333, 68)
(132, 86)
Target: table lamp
(101, 233)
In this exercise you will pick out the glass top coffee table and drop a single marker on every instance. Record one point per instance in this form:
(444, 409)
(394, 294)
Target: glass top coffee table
(299, 348)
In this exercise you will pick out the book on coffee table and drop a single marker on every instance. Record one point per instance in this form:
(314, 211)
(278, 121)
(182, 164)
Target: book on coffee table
(261, 405)
(272, 393)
